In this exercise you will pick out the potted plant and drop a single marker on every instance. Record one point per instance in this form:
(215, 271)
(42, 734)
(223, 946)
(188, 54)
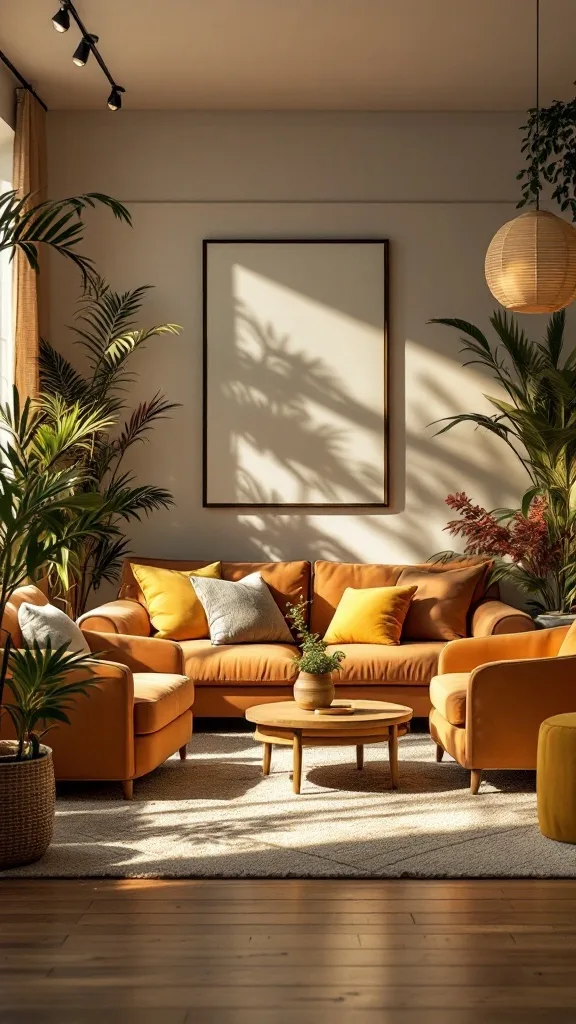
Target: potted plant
(549, 147)
(39, 691)
(314, 687)
(533, 545)
(106, 333)
(44, 512)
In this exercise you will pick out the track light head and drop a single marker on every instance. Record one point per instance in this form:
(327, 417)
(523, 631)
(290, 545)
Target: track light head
(83, 50)
(61, 19)
(115, 97)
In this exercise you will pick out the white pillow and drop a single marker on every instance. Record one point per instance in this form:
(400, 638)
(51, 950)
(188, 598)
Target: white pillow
(241, 613)
(42, 622)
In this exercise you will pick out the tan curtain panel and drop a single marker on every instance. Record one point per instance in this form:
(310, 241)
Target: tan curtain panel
(30, 288)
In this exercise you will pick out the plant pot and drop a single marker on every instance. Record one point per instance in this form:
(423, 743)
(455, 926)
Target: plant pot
(313, 691)
(27, 799)
(547, 620)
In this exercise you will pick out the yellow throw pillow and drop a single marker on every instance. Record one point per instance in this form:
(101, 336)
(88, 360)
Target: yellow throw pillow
(174, 609)
(568, 645)
(374, 615)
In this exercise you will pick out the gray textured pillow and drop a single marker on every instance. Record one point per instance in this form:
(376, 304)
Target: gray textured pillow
(241, 613)
(43, 622)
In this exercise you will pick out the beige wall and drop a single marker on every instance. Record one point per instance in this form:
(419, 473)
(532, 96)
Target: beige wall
(437, 185)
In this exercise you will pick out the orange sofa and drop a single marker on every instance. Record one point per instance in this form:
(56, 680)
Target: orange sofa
(232, 678)
(132, 720)
(493, 693)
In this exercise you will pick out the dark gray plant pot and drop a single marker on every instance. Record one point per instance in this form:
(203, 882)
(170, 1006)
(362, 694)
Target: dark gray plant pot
(547, 620)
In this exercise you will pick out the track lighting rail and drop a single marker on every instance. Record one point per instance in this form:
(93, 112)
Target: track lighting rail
(87, 45)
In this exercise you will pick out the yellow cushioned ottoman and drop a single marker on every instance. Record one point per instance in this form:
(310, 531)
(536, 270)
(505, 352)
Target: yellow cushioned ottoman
(556, 778)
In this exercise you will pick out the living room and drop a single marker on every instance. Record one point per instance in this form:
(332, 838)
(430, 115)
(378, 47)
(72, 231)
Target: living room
(288, 425)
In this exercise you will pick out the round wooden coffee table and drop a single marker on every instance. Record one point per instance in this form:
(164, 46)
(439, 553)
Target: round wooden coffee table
(372, 721)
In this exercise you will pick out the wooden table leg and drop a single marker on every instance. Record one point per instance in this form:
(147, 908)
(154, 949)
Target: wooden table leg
(393, 754)
(267, 759)
(297, 768)
(359, 756)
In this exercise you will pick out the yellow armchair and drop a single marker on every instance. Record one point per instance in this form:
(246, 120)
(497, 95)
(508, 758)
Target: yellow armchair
(492, 693)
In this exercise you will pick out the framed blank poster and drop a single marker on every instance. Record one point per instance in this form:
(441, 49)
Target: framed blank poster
(295, 373)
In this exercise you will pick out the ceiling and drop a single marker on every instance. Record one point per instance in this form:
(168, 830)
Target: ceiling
(299, 54)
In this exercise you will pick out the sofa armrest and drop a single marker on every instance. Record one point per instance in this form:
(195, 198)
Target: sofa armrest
(495, 617)
(122, 616)
(99, 741)
(138, 653)
(507, 703)
(467, 654)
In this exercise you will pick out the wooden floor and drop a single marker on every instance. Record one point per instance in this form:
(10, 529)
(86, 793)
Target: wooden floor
(270, 952)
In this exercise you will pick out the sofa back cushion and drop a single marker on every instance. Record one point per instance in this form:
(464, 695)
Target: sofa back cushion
(332, 578)
(24, 595)
(440, 607)
(286, 580)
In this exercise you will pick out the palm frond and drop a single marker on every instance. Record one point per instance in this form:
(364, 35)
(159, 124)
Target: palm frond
(58, 376)
(57, 224)
(142, 420)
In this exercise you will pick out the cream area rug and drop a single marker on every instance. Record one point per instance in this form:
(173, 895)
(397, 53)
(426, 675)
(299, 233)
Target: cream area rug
(214, 815)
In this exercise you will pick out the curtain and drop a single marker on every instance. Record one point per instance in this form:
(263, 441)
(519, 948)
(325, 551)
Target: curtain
(30, 288)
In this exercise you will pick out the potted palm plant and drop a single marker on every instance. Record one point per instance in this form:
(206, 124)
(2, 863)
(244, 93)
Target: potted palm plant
(39, 691)
(534, 545)
(314, 687)
(45, 510)
(108, 337)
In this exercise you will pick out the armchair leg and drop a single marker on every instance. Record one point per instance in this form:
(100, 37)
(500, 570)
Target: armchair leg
(475, 780)
(182, 752)
(128, 789)
(439, 752)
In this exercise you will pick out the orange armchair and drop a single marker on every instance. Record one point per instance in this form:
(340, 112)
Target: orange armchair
(138, 714)
(492, 693)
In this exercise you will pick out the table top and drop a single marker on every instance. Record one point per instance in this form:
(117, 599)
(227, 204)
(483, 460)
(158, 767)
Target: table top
(287, 715)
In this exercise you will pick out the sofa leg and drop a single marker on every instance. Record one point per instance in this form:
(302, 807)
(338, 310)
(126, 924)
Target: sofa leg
(475, 780)
(183, 751)
(439, 752)
(128, 789)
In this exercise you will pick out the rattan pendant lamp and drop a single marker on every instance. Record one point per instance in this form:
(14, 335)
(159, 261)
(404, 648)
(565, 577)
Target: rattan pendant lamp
(530, 265)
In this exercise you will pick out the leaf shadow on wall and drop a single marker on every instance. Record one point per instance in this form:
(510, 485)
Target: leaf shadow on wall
(272, 386)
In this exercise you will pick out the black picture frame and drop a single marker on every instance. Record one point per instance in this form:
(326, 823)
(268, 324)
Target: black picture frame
(317, 506)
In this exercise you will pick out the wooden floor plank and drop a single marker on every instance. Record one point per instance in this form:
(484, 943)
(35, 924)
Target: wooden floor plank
(281, 952)
(70, 993)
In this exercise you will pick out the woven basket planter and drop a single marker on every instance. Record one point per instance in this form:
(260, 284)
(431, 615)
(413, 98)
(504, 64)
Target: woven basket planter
(27, 799)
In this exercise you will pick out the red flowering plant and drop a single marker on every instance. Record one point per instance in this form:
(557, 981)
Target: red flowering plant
(523, 545)
(535, 417)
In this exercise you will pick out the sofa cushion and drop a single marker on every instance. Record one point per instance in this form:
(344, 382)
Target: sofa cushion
(241, 613)
(332, 578)
(448, 694)
(45, 624)
(410, 664)
(373, 615)
(239, 663)
(286, 580)
(439, 609)
(568, 645)
(174, 609)
(159, 698)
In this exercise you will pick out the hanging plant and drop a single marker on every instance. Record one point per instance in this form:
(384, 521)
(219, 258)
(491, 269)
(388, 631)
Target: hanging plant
(549, 145)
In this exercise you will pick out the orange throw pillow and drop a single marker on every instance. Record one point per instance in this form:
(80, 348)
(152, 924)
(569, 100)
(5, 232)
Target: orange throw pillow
(440, 606)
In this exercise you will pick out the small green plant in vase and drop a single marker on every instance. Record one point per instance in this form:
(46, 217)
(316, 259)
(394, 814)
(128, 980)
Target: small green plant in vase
(314, 687)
